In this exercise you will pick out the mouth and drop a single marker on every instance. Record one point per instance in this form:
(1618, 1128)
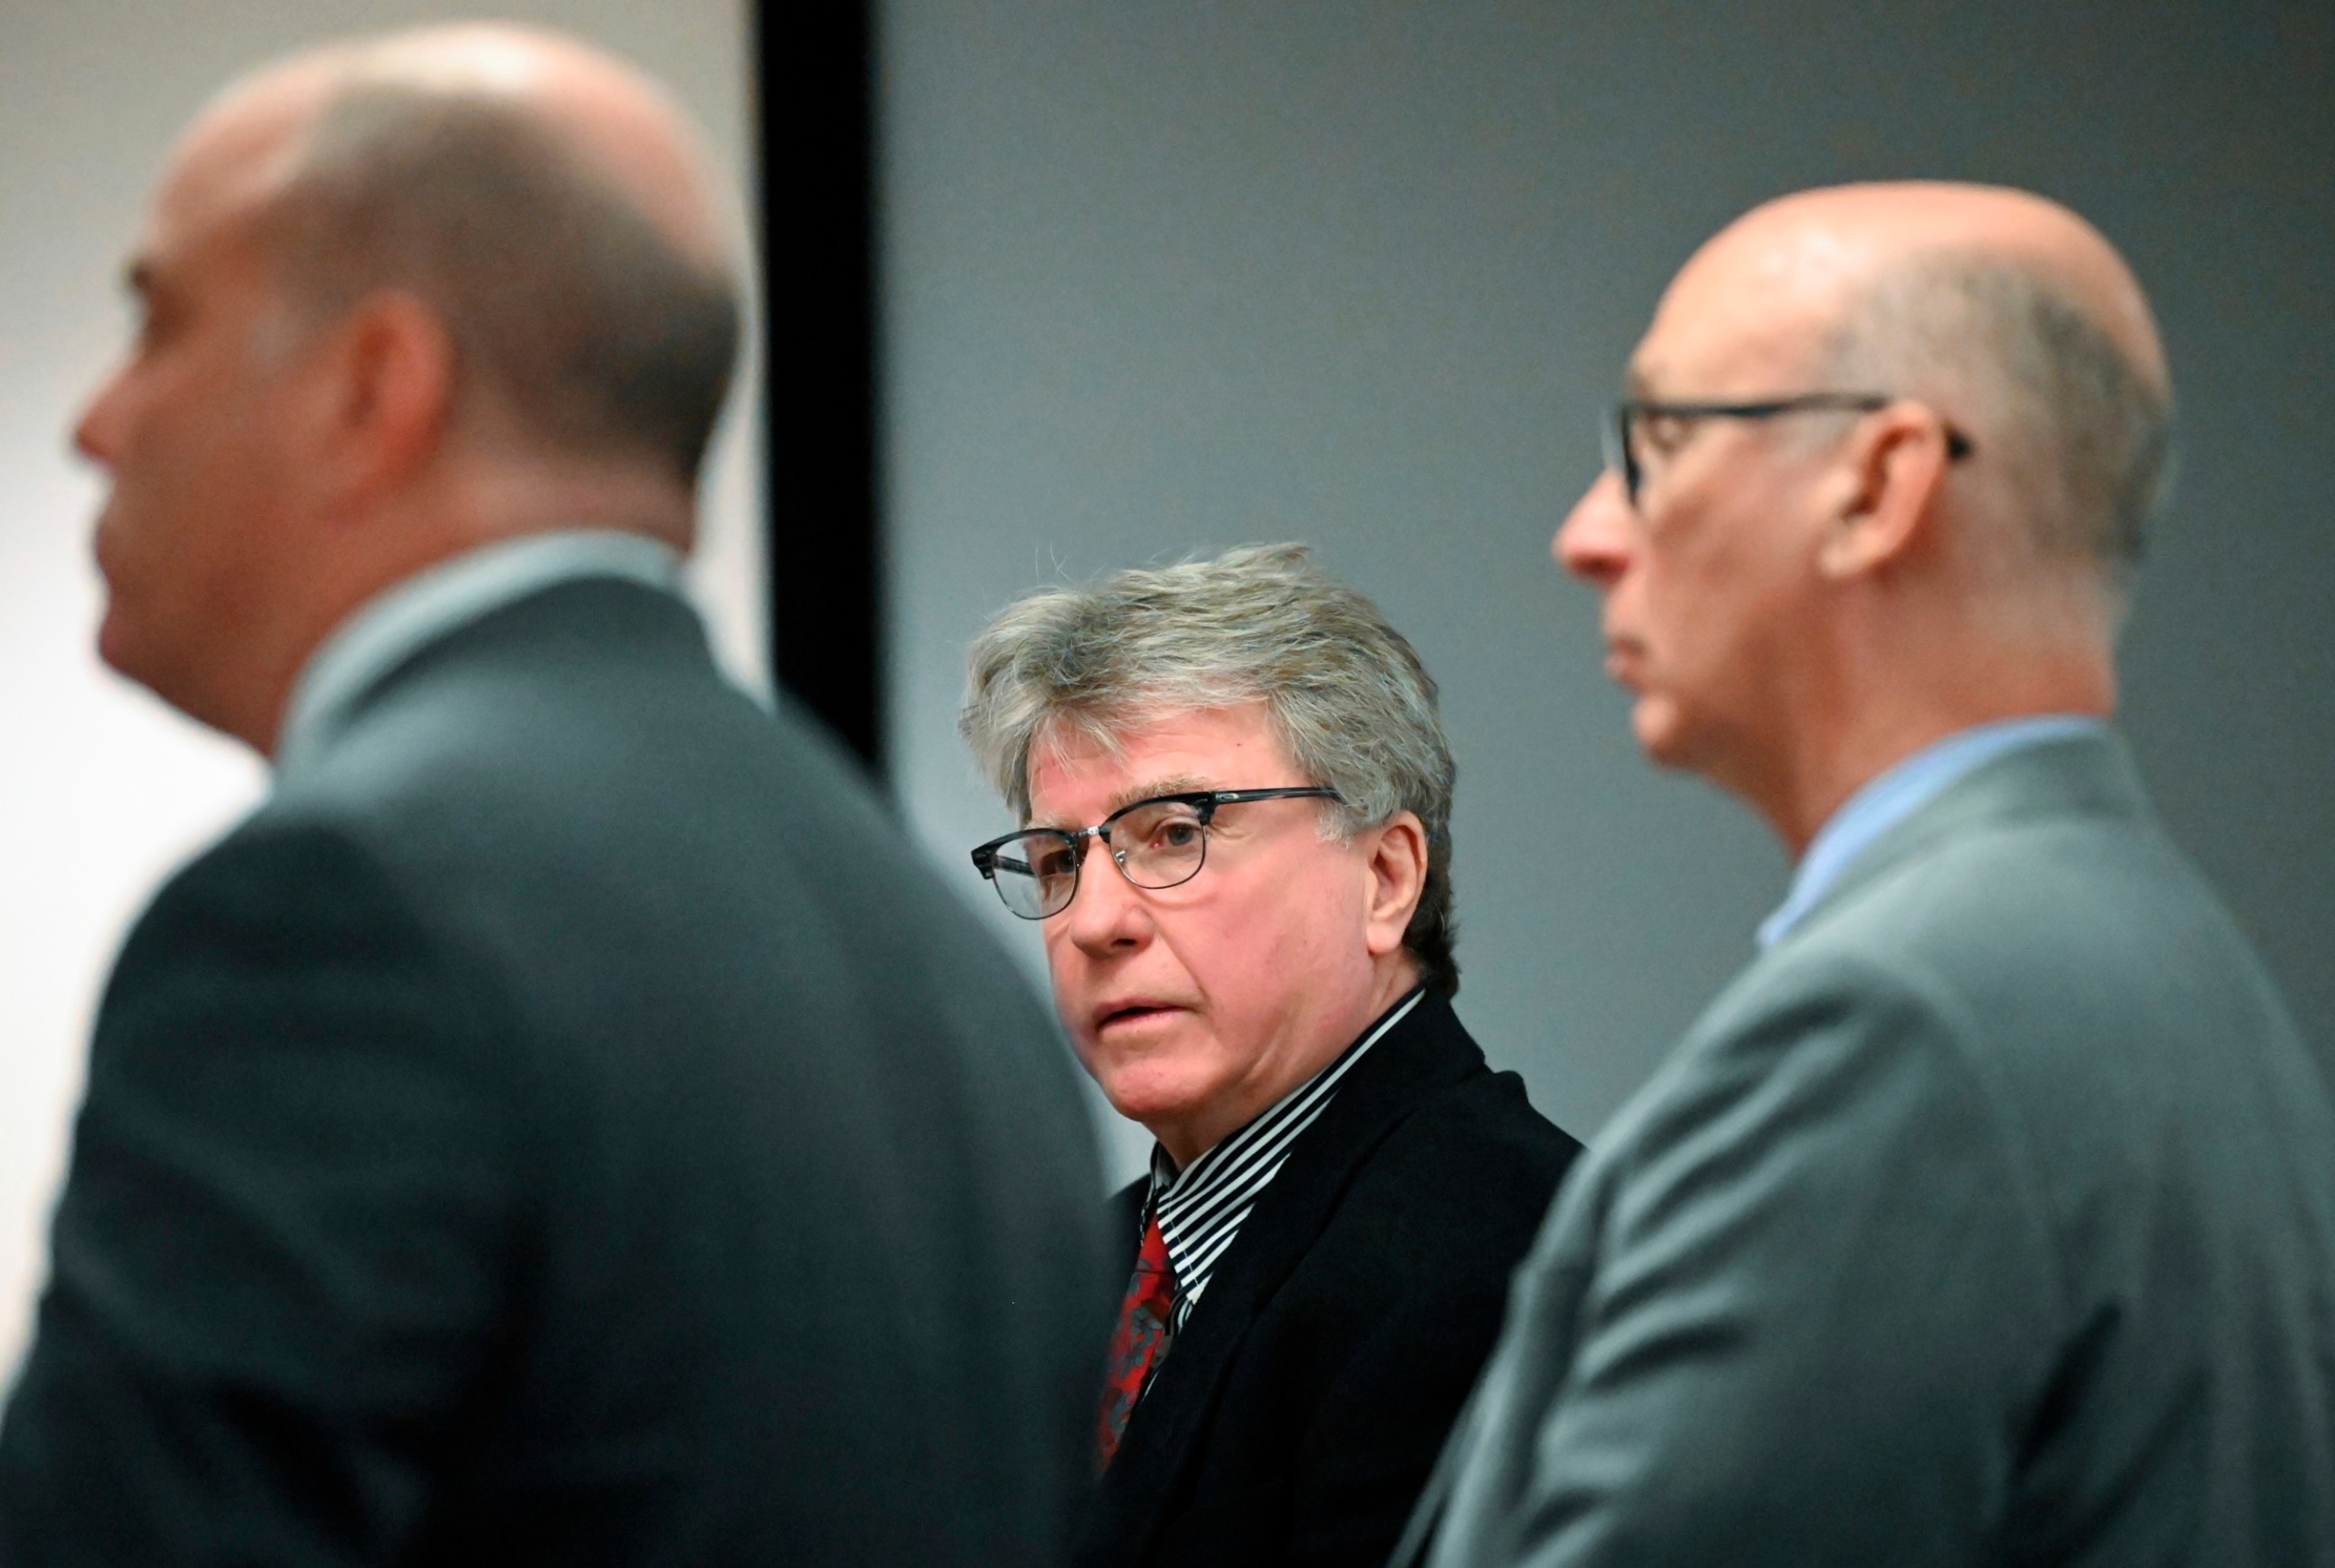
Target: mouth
(1123, 1014)
(1624, 657)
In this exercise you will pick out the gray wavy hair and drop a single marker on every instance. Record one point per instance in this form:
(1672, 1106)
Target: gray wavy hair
(1346, 692)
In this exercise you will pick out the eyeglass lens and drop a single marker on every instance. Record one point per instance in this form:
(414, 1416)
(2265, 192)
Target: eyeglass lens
(1159, 844)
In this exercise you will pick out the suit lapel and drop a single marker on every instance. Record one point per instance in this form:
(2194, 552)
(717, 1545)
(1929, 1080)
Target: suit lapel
(1426, 1052)
(1127, 1221)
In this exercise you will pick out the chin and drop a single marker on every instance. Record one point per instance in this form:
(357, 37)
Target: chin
(1661, 736)
(115, 645)
(171, 678)
(1151, 1091)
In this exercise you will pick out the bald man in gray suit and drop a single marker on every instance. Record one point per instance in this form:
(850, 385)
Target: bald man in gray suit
(563, 1124)
(1990, 1215)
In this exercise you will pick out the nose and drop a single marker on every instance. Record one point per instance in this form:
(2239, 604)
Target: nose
(1107, 915)
(97, 433)
(1596, 540)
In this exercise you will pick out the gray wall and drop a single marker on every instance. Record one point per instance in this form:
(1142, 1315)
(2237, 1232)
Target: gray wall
(1164, 278)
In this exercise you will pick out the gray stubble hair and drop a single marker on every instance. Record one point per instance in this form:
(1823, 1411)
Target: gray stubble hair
(2081, 443)
(587, 327)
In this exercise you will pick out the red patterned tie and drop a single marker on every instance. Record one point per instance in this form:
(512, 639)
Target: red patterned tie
(1139, 1342)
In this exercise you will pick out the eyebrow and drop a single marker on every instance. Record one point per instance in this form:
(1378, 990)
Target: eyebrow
(1149, 789)
(1176, 784)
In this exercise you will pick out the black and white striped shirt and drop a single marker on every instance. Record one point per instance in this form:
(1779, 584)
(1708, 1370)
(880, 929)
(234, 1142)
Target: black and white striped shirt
(1201, 1207)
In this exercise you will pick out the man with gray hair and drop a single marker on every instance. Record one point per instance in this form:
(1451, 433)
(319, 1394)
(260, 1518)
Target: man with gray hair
(1989, 1216)
(1260, 973)
(561, 1124)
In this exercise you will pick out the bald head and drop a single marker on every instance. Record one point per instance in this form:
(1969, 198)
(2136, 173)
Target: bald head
(1884, 467)
(2005, 311)
(1816, 253)
(550, 203)
(614, 122)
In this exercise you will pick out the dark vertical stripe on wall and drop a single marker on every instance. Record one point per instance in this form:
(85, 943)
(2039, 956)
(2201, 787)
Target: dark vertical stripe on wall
(825, 537)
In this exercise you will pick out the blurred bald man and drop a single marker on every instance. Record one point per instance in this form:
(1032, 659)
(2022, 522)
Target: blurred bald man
(1990, 1215)
(563, 1124)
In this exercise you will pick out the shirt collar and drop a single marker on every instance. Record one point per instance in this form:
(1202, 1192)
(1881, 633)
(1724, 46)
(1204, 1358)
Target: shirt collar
(1891, 796)
(402, 620)
(1164, 1171)
(1202, 1208)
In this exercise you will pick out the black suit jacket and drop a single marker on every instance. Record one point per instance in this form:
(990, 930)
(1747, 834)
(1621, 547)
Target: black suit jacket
(1297, 1416)
(564, 1125)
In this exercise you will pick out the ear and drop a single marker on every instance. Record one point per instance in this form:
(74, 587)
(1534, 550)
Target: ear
(1396, 859)
(385, 394)
(1888, 486)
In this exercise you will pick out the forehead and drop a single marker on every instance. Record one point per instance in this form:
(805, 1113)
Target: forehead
(225, 168)
(1748, 312)
(1073, 774)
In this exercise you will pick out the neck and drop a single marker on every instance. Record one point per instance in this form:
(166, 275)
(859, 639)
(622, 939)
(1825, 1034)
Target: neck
(1395, 975)
(483, 501)
(1879, 712)
(1186, 1138)
(514, 498)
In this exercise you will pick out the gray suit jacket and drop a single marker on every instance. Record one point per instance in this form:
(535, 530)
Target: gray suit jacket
(1990, 1217)
(567, 1125)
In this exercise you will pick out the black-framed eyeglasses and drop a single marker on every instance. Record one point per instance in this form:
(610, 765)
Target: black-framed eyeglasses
(1160, 842)
(1626, 422)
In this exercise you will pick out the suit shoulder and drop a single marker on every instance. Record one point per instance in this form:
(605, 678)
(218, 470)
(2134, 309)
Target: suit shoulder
(1474, 1165)
(284, 933)
(477, 766)
(2041, 942)
(1490, 1114)
(285, 877)
(2069, 985)
(2022, 896)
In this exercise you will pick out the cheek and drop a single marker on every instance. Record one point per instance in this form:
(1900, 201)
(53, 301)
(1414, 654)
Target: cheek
(177, 445)
(1304, 938)
(188, 538)
(1233, 967)
(1067, 969)
(1734, 625)
(1695, 588)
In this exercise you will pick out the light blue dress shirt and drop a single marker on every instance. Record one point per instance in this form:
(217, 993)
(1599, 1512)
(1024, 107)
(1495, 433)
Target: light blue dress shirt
(400, 621)
(1891, 796)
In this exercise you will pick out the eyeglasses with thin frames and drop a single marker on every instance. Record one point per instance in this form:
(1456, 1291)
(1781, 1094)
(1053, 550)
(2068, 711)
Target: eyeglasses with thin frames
(1620, 434)
(1156, 843)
